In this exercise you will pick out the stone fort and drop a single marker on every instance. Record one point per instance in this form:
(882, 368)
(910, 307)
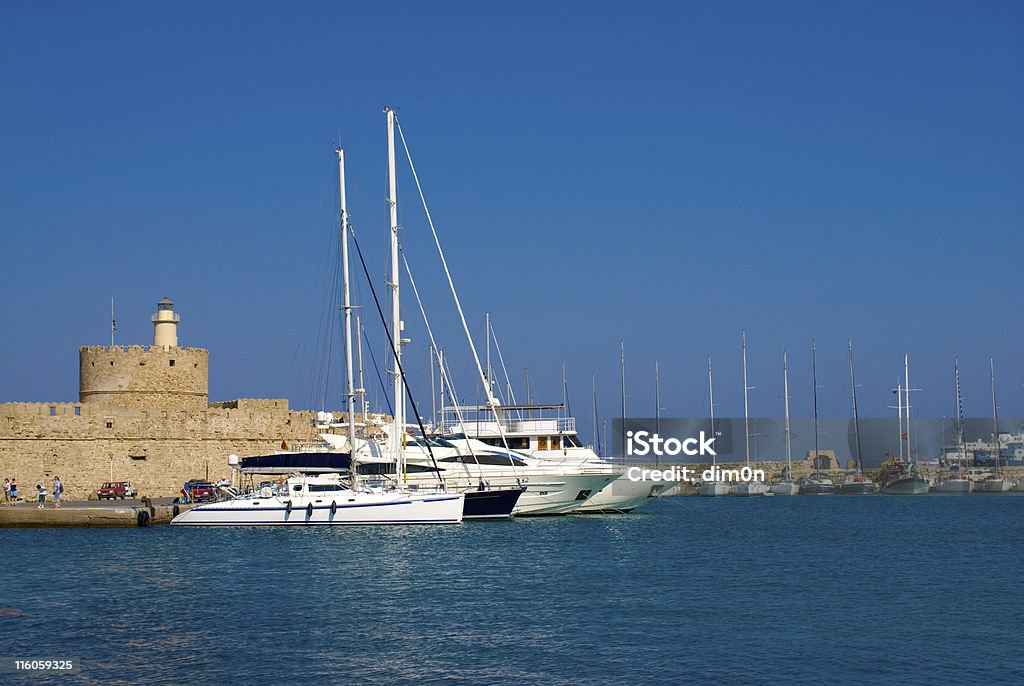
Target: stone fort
(143, 415)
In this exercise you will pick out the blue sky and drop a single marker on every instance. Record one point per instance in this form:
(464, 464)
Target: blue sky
(666, 174)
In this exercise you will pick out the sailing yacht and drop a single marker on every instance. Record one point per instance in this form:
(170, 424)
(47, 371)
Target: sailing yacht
(856, 483)
(957, 482)
(331, 499)
(784, 485)
(752, 487)
(899, 476)
(817, 483)
(713, 487)
(994, 483)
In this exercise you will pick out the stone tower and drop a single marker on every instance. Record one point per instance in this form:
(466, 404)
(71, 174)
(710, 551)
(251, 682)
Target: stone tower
(163, 376)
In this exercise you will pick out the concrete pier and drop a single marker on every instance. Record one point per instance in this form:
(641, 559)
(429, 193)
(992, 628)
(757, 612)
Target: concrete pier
(136, 514)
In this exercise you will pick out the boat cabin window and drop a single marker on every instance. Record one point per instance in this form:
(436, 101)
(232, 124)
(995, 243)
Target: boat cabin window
(296, 487)
(542, 443)
(488, 459)
(320, 488)
(571, 442)
(556, 442)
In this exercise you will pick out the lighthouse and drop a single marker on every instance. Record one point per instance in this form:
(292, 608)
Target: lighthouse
(165, 325)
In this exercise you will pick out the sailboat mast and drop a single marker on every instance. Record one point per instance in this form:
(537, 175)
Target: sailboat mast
(995, 418)
(785, 391)
(397, 437)
(962, 453)
(899, 409)
(711, 406)
(906, 379)
(487, 320)
(593, 397)
(657, 408)
(350, 396)
(622, 382)
(814, 394)
(746, 405)
(364, 410)
(856, 419)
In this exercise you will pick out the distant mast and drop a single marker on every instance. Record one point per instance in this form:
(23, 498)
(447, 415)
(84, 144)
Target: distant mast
(856, 420)
(398, 437)
(785, 390)
(113, 322)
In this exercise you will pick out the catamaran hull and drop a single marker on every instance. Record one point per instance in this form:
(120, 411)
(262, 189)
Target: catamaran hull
(277, 511)
(712, 488)
(624, 494)
(908, 486)
(858, 488)
(962, 486)
(749, 488)
(783, 488)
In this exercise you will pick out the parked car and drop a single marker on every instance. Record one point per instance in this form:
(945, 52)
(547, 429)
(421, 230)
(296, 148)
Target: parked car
(199, 491)
(116, 489)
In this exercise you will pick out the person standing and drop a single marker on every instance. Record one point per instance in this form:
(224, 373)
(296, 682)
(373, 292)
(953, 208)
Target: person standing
(14, 491)
(58, 491)
(7, 491)
(42, 496)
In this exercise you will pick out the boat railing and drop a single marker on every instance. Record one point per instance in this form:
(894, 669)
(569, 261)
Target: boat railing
(512, 425)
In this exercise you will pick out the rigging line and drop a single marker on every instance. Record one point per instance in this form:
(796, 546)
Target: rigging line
(444, 377)
(451, 284)
(380, 379)
(398, 363)
(508, 381)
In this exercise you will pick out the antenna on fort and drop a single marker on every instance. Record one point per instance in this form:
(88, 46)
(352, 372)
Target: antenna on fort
(113, 322)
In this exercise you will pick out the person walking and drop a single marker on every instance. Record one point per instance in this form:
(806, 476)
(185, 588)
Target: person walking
(58, 491)
(7, 491)
(42, 496)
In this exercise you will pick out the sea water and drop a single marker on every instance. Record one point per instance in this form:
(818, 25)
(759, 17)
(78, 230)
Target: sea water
(839, 590)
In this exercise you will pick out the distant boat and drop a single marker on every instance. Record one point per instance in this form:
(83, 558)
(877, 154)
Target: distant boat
(785, 485)
(956, 481)
(752, 487)
(713, 487)
(994, 483)
(856, 483)
(899, 476)
(817, 483)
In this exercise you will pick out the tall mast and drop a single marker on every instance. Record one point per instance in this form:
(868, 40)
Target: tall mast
(711, 405)
(906, 379)
(856, 420)
(440, 373)
(113, 322)
(814, 387)
(746, 406)
(593, 396)
(899, 409)
(960, 418)
(622, 382)
(995, 418)
(350, 395)
(433, 389)
(487, 319)
(785, 391)
(398, 435)
(657, 408)
(364, 410)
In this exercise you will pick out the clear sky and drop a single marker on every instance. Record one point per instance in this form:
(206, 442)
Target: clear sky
(666, 174)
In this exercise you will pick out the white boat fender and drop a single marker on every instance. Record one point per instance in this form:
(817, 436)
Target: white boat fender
(334, 508)
(309, 510)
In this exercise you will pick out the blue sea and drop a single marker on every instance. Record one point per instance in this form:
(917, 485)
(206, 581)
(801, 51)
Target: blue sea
(840, 590)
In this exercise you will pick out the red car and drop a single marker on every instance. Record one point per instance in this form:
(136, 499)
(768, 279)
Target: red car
(116, 489)
(198, 491)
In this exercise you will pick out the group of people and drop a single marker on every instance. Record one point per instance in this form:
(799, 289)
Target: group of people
(11, 492)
